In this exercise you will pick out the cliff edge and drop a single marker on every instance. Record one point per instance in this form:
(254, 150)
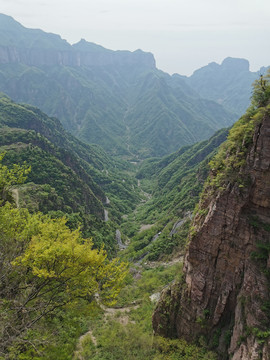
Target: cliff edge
(224, 298)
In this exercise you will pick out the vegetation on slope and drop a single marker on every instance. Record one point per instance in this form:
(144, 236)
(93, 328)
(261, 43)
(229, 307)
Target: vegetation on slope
(68, 177)
(229, 83)
(228, 165)
(175, 182)
(118, 100)
(125, 332)
(45, 267)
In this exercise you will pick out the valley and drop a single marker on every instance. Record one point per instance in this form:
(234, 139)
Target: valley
(134, 205)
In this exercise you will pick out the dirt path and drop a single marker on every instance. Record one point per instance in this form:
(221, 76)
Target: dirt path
(78, 354)
(146, 195)
(154, 264)
(120, 315)
(15, 193)
(145, 227)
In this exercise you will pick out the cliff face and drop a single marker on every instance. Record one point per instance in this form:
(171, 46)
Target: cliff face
(224, 298)
(37, 56)
(34, 47)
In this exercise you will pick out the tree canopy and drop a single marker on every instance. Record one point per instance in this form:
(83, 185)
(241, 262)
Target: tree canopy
(45, 266)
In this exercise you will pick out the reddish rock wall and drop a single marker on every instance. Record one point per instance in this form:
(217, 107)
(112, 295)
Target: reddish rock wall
(225, 290)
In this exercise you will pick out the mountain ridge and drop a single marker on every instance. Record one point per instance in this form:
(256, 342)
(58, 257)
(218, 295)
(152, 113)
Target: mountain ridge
(117, 99)
(223, 297)
(47, 49)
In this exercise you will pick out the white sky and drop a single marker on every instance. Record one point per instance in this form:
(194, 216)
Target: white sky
(182, 35)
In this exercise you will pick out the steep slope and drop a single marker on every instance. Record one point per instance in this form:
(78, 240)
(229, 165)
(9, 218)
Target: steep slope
(117, 99)
(180, 117)
(179, 177)
(175, 182)
(67, 176)
(224, 297)
(230, 83)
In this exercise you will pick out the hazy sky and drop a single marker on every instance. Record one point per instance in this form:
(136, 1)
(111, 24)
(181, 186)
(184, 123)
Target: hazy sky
(182, 35)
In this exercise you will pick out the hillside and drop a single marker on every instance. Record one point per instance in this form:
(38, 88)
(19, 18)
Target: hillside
(117, 99)
(223, 297)
(159, 227)
(67, 176)
(229, 84)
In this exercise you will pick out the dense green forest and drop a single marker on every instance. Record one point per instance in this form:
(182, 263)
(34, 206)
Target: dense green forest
(61, 296)
(55, 287)
(47, 159)
(95, 222)
(45, 268)
(67, 176)
(47, 323)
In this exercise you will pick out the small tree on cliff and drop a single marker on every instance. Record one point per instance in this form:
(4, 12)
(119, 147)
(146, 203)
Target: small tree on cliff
(261, 90)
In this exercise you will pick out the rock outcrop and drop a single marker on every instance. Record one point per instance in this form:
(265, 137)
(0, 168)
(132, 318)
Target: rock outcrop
(50, 57)
(34, 47)
(224, 297)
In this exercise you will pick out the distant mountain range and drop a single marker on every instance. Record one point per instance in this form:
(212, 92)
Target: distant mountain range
(119, 99)
(229, 84)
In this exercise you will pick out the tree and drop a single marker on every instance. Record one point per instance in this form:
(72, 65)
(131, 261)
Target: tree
(261, 90)
(11, 176)
(45, 266)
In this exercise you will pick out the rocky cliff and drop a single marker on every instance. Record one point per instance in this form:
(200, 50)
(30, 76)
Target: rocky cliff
(48, 57)
(34, 47)
(222, 82)
(223, 300)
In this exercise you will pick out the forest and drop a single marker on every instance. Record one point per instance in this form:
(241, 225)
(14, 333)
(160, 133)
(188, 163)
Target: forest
(134, 206)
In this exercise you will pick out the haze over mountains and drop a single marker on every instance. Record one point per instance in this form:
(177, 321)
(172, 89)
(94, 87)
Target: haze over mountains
(174, 195)
(119, 99)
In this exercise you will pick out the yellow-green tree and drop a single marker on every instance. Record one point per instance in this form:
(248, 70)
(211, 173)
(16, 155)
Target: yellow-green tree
(11, 176)
(44, 266)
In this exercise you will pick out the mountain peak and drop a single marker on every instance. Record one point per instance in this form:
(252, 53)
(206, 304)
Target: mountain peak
(235, 64)
(84, 45)
(8, 23)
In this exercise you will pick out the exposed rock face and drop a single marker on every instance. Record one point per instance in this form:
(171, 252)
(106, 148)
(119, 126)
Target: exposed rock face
(224, 296)
(71, 57)
(34, 47)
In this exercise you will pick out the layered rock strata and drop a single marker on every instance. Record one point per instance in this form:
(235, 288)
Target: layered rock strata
(224, 298)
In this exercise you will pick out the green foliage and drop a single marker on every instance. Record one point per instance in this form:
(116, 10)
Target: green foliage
(129, 110)
(229, 83)
(180, 349)
(150, 281)
(175, 182)
(10, 176)
(226, 166)
(45, 267)
(132, 338)
(68, 177)
(261, 335)
(261, 91)
(180, 177)
(63, 260)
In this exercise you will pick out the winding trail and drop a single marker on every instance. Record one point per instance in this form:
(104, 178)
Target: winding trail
(78, 354)
(108, 313)
(15, 193)
(106, 215)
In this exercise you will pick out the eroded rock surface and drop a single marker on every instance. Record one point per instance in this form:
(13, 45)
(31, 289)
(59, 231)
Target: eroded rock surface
(224, 297)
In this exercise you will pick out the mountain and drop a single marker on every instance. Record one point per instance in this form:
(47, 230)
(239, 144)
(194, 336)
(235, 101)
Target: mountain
(223, 298)
(117, 99)
(179, 177)
(67, 176)
(173, 184)
(229, 84)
